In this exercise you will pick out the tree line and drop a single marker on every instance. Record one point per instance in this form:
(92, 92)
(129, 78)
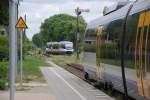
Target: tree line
(59, 27)
(4, 49)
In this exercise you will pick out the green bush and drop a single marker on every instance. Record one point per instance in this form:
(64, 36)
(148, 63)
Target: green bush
(4, 47)
(3, 74)
(3, 84)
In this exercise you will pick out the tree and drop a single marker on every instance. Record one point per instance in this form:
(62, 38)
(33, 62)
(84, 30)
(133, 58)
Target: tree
(59, 28)
(4, 49)
(37, 40)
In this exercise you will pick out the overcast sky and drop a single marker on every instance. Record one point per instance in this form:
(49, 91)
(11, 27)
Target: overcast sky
(38, 10)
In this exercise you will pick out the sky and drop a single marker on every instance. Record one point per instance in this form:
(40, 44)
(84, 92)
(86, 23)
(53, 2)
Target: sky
(37, 11)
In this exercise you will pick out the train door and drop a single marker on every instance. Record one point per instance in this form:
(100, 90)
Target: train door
(142, 54)
(98, 50)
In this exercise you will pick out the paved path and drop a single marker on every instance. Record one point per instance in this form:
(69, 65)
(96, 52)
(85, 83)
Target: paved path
(66, 86)
(36, 93)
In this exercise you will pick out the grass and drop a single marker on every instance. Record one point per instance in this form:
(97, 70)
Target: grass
(62, 60)
(3, 75)
(31, 69)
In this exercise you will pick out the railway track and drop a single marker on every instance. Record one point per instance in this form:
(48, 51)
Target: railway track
(106, 87)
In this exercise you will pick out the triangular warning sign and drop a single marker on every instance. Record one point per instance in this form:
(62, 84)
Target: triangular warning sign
(21, 24)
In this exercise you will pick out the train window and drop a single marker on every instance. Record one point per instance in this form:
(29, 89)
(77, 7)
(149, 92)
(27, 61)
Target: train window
(90, 33)
(90, 37)
(136, 53)
(62, 46)
(145, 33)
(139, 30)
(89, 41)
(144, 48)
(109, 47)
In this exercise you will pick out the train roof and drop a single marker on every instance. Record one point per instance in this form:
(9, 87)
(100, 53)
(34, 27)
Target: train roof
(114, 7)
(141, 5)
(65, 42)
(120, 13)
(61, 42)
(52, 43)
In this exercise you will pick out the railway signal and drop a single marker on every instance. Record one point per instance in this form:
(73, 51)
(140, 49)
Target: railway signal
(78, 12)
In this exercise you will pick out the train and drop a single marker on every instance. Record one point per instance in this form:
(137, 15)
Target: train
(117, 49)
(62, 47)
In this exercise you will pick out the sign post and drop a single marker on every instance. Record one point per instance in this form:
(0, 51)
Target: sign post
(21, 25)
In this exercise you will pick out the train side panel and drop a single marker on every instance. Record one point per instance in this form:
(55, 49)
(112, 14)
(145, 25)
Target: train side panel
(137, 50)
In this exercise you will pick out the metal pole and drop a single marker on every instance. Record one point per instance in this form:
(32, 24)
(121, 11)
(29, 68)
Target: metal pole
(12, 49)
(21, 33)
(77, 35)
(16, 40)
(24, 37)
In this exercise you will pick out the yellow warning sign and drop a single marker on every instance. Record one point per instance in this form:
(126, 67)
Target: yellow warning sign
(21, 24)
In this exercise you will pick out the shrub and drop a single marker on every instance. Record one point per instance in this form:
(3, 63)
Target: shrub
(2, 84)
(3, 74)
(4, 47)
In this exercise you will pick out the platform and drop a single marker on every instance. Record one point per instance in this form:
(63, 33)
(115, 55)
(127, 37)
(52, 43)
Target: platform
(66, 86)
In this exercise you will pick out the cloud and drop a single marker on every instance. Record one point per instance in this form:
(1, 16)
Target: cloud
(95, 7)
(46, 1)
(38, 10)
(36, 14)
(64, 1)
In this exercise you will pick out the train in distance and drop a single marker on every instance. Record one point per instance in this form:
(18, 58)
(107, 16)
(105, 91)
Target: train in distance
(62, 47)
